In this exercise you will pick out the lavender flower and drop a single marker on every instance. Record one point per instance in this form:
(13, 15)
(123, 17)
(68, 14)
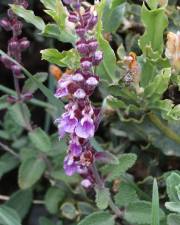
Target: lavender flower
(16, 44)
(81, 118)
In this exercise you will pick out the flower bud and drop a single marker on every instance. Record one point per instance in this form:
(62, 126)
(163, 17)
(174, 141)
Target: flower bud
(16, 70)
(86, 183)
(24, 43)
(92, 22)
(13, 45)
(78, 77)
(17, 27)
(80, 31)
(86, 15)
(98, 56)
(73, 18)
(92, 81)
(86, 63)
(25, 4)
(80, 94)
(82, 47)
(92, 45)
(5, 24)
(11, 14)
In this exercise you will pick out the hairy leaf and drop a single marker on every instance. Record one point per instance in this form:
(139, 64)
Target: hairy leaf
(172, 182)
(173, 219)
(40, 140)
(139, 213)
(102, 197)
(21, 202)
(155, 22)
(54, 196)
(70, 59)
(28, 16)
(31, 86)
(9, 216)
(98, 218)
(125, 195)
(30, 172)
(126, 161)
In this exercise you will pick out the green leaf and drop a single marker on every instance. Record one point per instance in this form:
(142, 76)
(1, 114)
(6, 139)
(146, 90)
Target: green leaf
(108, 66)
(139, 213)
(173, 219)
(126, 161)
(60, 175)
(7, 163)
(3, 102)
(49, 4)
(174, 113)
(173, 206)
(56, 10)
(113, 16)
(54, 196)
(21, 202)
(98, 218)
(115, 103)
(45, 221)
(9, 216)
(28, 16)
(68, 210)
(155, 22)
(19, 112)
(158, 86)
(152, 3)
(172, 182)
(70, 59)
(115, 3)
(155, 205)
(63, 35)
(40, 140)
(102, 197)
(31, 86)
(126, 195)
(30, 172)
(85, 208)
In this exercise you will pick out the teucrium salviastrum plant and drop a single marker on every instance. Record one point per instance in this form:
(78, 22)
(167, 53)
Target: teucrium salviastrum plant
(114, 105)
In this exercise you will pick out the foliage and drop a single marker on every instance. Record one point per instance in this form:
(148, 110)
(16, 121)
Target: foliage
(138, 139)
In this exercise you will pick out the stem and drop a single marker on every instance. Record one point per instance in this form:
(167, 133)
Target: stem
(97, 177)
(163, 128)
(115, 209)
(36, 202)
(7, 149)
(18, 92)
(33, 101)
(100, 184)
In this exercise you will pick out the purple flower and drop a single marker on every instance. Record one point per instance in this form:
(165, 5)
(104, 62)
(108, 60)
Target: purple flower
(66, 124)
(85, 128)
(70, 166)
(80, 119)
(62, 87)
